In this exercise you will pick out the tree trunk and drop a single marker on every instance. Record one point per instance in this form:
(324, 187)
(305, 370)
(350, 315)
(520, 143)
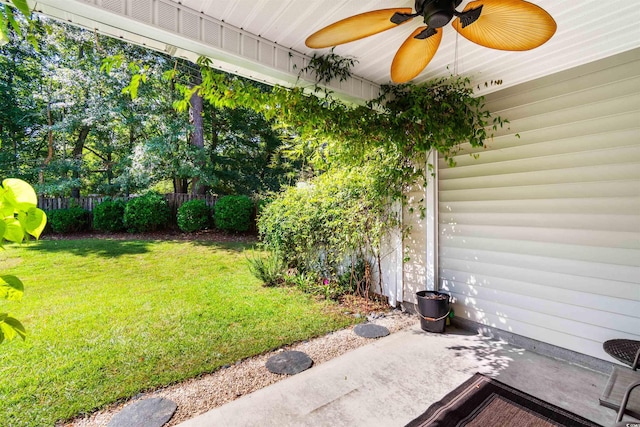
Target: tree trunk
(49, 144)
(109, 170)
(78, 148)
(197, 136)
(180, 185)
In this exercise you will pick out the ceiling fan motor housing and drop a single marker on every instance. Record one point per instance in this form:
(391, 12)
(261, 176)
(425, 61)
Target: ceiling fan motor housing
(437, 13)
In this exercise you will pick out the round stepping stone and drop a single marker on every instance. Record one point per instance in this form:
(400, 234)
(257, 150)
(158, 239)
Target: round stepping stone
(289, 362)
(154, 412)
(369, 330)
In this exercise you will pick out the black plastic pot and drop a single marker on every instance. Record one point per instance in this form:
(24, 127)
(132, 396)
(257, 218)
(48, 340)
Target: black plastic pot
(433, 308)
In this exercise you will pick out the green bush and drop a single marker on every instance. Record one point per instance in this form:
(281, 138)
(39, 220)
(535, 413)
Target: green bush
(194, 215)
(269, 269)
(305, 281)
(146, 213)
(310, 283)
(353, 279)
(339, 215)
(109, 215)
(233, 213)
(71, 220)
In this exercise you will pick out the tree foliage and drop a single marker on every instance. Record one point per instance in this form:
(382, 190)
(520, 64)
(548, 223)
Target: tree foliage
(86, 114)
(10, 22)
(405, 121)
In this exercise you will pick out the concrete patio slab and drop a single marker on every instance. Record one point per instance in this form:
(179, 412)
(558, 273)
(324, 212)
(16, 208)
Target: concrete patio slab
(394, 379)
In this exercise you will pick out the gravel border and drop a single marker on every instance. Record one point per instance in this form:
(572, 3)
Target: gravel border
(207, 392)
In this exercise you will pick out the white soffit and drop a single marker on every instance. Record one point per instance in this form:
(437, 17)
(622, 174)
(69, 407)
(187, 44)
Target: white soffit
(182, 32)
(264, 39)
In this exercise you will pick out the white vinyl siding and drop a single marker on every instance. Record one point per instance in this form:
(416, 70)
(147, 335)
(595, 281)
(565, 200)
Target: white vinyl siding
(415, 268)
(540, 234)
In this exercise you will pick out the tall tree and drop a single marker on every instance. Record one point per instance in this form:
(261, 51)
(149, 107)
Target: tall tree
(78, 124)
(21, 107)
(196, 138)
(249, 155)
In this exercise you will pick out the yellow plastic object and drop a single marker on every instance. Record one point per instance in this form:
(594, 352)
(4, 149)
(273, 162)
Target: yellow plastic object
(508, 25)
(355, 28)
(414, 55)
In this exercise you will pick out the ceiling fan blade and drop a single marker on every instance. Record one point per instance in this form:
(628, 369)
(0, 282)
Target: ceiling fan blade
(356, 27)
(414, 55)
(507, 25)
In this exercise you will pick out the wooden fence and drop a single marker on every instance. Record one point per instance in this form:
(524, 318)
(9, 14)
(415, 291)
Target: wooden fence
(88, 203)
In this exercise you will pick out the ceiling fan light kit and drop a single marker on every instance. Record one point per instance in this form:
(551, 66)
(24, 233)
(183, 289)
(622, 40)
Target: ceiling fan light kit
(514, 25)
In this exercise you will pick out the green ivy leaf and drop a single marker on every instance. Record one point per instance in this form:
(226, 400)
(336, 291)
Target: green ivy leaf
(111, 62)
(4, 39)
(13, 231)
(35, 222)
(11, 288)
(17, 326)
(19, 194)
(10, 328)
(3, 34)
(12, 20)
(22, 6)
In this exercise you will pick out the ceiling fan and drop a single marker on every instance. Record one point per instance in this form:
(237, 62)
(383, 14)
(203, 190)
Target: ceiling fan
(499, 24)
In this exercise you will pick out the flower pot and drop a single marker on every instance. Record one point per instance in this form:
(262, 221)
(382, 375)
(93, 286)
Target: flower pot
(433, 309)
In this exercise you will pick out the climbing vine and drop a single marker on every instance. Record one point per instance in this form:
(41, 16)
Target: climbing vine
(326, 68)
(364, 157)
(403, 122)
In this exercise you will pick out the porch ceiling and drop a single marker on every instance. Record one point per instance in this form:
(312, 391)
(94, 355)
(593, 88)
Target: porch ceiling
(264, 39)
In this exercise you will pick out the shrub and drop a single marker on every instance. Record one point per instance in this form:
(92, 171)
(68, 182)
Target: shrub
(194, 215)
(146, 213)
(233, 213)
(319, 227)
(269, 269)
(354, 279)
(70, 220)
(310, 283)
(305, 281)
(109, 215)
(289, 223)
(261, 204)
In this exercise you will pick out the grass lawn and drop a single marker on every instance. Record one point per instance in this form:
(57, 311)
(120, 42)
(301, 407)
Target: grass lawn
(107, 319)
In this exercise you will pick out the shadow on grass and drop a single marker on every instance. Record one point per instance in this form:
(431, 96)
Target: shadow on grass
(115, 247)
(227, 246)
(84, 247)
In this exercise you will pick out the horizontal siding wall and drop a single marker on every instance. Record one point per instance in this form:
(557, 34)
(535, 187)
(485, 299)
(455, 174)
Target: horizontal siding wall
(414, 245)
(540, 235)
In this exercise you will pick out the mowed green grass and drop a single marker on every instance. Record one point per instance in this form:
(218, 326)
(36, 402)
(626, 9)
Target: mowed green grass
(107, 319)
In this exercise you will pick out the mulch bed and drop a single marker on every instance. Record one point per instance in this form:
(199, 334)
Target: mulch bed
(358, 304)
